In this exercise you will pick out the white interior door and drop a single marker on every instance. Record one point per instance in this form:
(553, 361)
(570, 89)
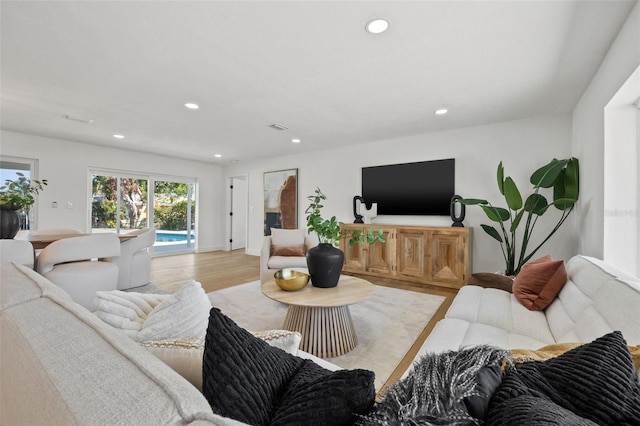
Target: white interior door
(239, 213)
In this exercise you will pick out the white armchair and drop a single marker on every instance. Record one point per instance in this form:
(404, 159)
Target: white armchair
(18, 251)
(77, 265)
(134, 262)
(272, 259)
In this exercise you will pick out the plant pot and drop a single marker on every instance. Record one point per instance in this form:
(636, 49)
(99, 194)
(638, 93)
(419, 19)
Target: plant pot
(325, 265)
(9, 222)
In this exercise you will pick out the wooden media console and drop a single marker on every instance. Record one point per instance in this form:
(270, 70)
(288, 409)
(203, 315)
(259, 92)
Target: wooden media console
(438, 256)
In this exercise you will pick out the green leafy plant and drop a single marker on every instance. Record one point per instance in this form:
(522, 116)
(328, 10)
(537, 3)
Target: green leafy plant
(328, 230)
(20, 193)
(562, 176)
(369, 236)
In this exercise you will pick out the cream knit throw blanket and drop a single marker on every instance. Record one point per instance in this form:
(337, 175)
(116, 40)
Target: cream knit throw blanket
(156, 316)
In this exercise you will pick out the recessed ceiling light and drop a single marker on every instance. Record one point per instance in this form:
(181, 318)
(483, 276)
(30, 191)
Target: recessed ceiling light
(191, 105)
(441, 111)
(118, 136)
(218, 155)
(295, 140)
(377, 26)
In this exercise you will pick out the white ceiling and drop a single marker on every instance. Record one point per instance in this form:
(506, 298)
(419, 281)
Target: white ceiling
(131, 65)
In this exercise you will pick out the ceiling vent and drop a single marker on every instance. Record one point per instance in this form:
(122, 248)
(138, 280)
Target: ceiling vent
(78, 119)
(278, 126)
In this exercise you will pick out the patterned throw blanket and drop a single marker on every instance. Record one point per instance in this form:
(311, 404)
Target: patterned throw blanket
(450, 388)
(156, 316)
(592, 384)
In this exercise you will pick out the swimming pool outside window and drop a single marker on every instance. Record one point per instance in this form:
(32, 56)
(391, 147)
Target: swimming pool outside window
(120, 202)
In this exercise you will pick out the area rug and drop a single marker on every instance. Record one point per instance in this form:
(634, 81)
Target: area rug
(387, 325)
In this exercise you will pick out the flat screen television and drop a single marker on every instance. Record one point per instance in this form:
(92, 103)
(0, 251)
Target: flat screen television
(422, 188)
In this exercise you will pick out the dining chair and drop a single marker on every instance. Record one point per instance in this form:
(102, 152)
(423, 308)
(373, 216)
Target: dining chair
(134, 262)
(19, 251)
(78, 265)
(49, 232)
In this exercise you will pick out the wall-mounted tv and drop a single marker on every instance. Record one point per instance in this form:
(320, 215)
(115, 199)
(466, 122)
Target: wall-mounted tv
(422, 188)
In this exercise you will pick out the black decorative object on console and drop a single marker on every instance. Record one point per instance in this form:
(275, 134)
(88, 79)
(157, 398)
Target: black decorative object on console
(457, 220)
(355, 209)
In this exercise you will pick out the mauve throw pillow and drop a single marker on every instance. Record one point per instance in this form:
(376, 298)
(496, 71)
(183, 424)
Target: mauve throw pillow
(287, 242)
(287, 250)
(539, 282)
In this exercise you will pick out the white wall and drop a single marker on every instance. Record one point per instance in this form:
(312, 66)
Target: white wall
(65, 164)
(588, 132)
(522, 145)
(621, 177)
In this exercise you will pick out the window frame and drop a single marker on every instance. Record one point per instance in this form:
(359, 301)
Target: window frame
(151, 179)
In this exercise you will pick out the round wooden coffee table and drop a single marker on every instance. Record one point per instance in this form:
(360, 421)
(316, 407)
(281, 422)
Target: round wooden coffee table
(321, 315)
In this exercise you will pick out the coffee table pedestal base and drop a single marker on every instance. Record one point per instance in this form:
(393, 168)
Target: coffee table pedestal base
(326, 331)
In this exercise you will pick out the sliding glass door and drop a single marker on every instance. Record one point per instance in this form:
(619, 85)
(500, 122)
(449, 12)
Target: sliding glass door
(120, 202)
(174, 210)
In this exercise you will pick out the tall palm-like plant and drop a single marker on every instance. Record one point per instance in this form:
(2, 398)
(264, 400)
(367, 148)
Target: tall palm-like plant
(562, 176)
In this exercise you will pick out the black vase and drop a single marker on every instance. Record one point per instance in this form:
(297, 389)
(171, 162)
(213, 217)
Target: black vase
(325, 264)
(9, 222)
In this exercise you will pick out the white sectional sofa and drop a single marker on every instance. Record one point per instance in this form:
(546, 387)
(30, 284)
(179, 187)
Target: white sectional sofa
(595, 300)
(61, 365)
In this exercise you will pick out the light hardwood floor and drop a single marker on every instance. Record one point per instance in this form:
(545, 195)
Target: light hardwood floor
(214, 270)
(222, 269)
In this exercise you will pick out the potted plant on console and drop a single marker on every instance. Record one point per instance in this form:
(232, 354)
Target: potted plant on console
(325, 260)
(15, 196)
(562, 176)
